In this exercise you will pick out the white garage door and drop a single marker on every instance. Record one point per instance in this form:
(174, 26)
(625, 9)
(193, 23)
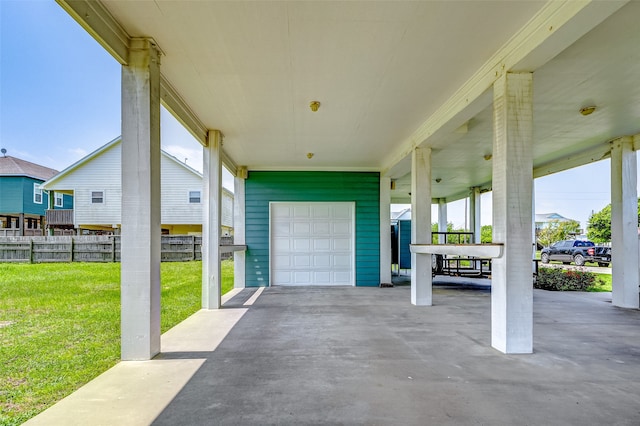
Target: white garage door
(312, 243)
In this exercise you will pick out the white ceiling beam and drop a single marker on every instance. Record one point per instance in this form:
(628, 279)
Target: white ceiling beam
(228, 163)
(174, 103)
(554, 28)
(570, 161)
(101, 25)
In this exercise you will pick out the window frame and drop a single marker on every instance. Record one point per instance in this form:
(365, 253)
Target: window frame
(92, 198)
(189, 197)
(57, 196)
(37, 191)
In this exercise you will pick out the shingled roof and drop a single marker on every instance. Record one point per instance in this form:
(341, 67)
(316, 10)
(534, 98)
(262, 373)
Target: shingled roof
(11, 166)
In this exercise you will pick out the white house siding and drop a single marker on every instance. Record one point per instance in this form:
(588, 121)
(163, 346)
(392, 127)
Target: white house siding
(101, 171)
(227, 208)
(176, 182)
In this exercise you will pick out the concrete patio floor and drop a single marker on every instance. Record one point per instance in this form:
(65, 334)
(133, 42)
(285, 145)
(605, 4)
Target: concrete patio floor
(365, 356)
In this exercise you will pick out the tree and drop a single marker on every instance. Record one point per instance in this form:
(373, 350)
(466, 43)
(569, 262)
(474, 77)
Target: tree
(599, 226)
(486, 234)
(557, 230)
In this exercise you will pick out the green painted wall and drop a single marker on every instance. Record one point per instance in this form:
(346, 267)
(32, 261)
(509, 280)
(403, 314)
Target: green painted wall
(361, 188)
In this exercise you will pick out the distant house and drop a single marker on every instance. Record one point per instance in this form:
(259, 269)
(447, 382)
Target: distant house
(23, 203)
(543, 220)
(95, 182)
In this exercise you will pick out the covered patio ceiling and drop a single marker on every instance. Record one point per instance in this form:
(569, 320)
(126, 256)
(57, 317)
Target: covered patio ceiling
(390, 76)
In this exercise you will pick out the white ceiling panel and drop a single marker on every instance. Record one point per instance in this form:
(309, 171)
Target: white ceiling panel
(382, 69)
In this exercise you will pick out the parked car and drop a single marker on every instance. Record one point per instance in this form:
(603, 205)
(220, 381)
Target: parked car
(576, 251)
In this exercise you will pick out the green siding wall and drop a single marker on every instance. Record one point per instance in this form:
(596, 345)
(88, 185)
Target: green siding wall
(264, 187)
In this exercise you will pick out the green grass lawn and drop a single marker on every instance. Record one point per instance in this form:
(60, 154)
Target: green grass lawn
(60, 326)
(604, 281)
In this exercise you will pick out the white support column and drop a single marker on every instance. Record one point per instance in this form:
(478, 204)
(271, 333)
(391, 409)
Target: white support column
(624, 224)
(511, 283)
(385, 230)
(421, 280)
(211, 208)
(474, 215)
(442, 219)
(140, 265)
(239, 257)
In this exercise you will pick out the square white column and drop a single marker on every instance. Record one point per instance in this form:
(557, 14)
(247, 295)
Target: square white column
(140, 264)
(421, 279)
(385, 230)
(211, 212)
(474, 215)
(511, 278)
(239, 258)
(442, 220)
(624, 224)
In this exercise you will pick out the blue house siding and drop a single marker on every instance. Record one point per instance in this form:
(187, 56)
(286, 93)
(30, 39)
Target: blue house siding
(29, 206)
(67, 202)
(404, 241)
(16, 196)
(11, 194)
(362, 188)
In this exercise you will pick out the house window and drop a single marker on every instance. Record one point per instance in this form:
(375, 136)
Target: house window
(37, 193)
(97, 197)
(194, 197)
(59, 201)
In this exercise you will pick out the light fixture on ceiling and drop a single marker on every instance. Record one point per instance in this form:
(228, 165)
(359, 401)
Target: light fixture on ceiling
(310, 155)
(588, 110)
(314, 105)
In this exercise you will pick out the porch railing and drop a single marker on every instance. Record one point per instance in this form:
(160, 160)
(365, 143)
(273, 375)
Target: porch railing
(59, 217)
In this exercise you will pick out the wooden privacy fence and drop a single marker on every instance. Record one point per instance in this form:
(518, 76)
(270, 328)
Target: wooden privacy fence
(102, 248)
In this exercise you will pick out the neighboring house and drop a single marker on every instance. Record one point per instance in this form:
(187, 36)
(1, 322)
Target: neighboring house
(95, 182)
(23, 203)
(543, 220)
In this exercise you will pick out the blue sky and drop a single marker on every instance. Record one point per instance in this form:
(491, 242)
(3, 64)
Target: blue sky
(60, 100)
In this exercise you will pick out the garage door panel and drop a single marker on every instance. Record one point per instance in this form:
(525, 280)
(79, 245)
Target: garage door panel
(322, 261)
(301, 244)
(341, 244)
(302, 277)
(341, 278)
(341, 261)
(301, 211)
(323, 244)
(301, 261)
(312, 243)
(322, 277)
(301, 228)
(321, 211)
(280, 262)
(282, 277)
(282, 213)
(281, 245)
(341, 227)
(282, 229)
(341, 212)
(322, 228)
